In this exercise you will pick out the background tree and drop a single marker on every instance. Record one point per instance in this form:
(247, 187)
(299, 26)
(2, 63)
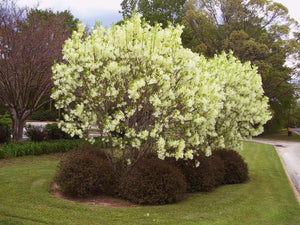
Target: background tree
(69, 22)
(128, 7)
(31, 40)
(256, 31)
(161, 11)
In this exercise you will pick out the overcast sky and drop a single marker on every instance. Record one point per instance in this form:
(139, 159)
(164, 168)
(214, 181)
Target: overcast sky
(107, 11)
(88, 11)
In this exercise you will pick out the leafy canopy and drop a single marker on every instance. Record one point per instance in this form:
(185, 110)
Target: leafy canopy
(145, 92)
(155, 11)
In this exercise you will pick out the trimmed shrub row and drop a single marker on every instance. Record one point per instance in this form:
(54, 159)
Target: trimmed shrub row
(14, 149)
(85, 171)
(152, 181)
(236, 170)
(222, 167)
(48, 132)
(201, 177)
(5, 133)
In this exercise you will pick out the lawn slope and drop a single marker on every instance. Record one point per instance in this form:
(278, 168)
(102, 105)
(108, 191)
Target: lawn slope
(266, 199)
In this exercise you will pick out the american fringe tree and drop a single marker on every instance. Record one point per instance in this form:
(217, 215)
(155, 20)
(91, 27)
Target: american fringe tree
(145, 92)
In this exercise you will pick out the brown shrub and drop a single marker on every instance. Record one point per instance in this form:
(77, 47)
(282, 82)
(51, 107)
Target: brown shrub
(152, 181)
(199, 178)
(236, 169)
(85, 171)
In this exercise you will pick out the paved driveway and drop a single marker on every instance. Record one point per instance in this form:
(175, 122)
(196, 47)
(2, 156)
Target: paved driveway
(289, 152)
(297, 130)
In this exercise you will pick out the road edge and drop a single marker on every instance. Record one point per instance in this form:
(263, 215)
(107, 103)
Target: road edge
(297, 194)
(292, 184)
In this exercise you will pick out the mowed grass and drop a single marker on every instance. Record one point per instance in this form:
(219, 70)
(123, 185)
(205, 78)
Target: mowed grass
(266, 199)
(281, 135)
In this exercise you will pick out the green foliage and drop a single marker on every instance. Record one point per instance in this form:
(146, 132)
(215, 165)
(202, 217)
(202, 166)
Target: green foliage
(158, 11)
(236, 169)
(45, 115)
(128, 7)
(70, 22)
(2, 110)
(152, 181)
(256, 31)
(294, 115)
(14, 149)
(85, 171)
(5, 119)
(5, 133)
(54, 132)
(282, 135)
(36, 133)
(277, 123)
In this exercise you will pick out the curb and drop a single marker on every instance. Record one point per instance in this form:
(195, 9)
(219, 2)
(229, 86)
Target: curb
(297, 194)
(292, 184)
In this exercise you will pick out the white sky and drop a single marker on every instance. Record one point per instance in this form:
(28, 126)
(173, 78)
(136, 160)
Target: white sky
(293, 7)
(89, 11)
(107, 10)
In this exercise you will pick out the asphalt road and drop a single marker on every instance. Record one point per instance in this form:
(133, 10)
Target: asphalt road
(289, 152)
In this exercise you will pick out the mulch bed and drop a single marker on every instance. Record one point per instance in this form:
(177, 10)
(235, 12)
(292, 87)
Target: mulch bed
(103, 200)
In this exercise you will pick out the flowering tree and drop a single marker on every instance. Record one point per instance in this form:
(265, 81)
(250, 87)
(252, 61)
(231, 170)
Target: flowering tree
(142, 89)
(244, 110)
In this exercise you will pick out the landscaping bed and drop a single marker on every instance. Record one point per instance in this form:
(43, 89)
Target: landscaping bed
(266, 198)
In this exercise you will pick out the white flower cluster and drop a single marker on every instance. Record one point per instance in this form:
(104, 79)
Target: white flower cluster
(139, 86)
(244, 110)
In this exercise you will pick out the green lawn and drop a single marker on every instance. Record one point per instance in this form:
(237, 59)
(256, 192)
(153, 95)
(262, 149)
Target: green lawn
(266, 199)
(282, 135)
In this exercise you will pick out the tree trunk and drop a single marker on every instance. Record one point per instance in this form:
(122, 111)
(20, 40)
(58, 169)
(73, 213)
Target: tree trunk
(17, 126)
